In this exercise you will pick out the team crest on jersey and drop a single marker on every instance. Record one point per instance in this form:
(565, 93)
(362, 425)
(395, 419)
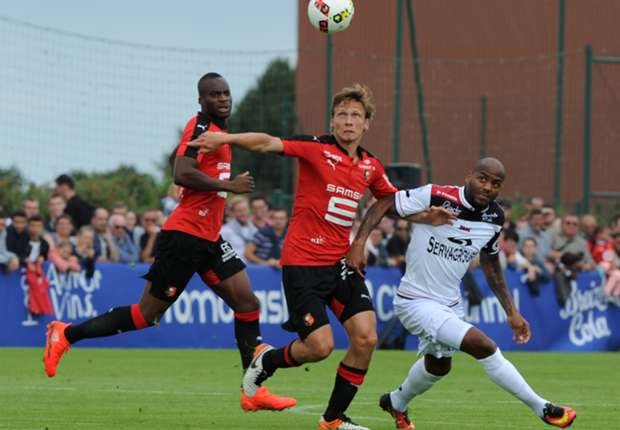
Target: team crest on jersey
(366, 175)
(223, 166)
(332, 159)
(308, 319)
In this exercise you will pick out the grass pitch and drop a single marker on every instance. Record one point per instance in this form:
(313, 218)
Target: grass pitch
(199, 389)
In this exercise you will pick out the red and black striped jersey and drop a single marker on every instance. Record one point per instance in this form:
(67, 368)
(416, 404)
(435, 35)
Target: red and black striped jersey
(329, 188)
(201, 213)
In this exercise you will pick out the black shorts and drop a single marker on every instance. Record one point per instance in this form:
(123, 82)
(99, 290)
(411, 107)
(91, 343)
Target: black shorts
(309, 288)
(179, 255)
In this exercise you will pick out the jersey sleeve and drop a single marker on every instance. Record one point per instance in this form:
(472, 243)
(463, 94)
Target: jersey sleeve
(300, 146)
(381, 185)
(492, 246)
(409, 202)
(190, 132)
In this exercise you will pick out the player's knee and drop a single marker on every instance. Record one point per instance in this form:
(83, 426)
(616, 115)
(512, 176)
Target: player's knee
(487, 348)
(151, 315)
(152, 318)
(438, 366)
(365, 342)
(248, 304)
(320, 349)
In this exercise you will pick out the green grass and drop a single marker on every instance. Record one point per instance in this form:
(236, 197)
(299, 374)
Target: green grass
(199, 389)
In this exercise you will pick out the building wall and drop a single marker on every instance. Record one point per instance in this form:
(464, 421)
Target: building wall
(504, 50)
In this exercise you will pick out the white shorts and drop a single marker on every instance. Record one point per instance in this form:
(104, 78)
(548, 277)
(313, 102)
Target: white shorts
(440, 328)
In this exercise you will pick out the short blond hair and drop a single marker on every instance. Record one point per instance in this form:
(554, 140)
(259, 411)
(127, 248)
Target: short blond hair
(359, 93)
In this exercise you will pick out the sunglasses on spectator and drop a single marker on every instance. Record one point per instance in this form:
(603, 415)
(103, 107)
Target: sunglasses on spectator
(118, 226)
(570, 222)
(150, 219)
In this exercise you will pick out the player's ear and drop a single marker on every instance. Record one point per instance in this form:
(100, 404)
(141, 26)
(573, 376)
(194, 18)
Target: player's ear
(366, 125)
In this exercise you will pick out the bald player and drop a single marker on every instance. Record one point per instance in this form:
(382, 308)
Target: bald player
(428, 300)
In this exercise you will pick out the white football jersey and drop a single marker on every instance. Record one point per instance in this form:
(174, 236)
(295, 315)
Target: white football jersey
(438, 257)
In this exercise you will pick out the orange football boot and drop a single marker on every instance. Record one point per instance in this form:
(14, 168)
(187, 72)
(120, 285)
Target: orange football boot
(55, 346)
(558, 416)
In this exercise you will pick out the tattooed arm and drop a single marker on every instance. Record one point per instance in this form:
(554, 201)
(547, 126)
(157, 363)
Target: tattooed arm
(495, 278)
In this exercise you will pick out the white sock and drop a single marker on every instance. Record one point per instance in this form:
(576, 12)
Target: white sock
(417, 382)
(504, 374)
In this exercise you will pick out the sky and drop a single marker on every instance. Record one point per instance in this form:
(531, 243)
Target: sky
(92, 85)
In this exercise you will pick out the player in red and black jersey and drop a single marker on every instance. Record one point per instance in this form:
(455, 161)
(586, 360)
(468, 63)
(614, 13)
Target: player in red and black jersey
(334, 173)
(189, 243)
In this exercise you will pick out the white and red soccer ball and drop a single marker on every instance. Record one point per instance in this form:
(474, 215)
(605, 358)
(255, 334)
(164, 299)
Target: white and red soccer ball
(330, 16)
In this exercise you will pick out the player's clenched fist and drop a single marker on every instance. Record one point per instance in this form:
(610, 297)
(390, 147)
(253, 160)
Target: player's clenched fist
(242, 183)
(520, 328)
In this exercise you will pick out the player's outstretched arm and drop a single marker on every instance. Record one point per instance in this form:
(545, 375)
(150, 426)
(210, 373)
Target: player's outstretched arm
(255, 142)
(495, 278)
(188, 175)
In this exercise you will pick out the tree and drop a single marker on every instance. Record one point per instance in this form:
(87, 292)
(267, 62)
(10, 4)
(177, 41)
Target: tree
(268, 107)
(12, 186)
(139, 191)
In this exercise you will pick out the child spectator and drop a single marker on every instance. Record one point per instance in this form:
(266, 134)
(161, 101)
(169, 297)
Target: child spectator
(85, 250)
(611, 267)
(62, 257)
(600, 244)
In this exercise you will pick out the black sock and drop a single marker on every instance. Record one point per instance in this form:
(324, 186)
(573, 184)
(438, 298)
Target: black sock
(247, 333)
(279, 358)
(115, 321)
(348, 380)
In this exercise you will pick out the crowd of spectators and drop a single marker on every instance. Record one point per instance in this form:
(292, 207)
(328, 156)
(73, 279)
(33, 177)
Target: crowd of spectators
(76, 236)
(546, 246)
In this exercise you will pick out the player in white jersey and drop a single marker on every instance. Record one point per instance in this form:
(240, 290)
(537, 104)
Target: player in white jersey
(428, 300)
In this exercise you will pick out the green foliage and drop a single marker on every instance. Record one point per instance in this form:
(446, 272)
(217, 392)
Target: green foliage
(12, 186)
(139, 191)
(268, 107)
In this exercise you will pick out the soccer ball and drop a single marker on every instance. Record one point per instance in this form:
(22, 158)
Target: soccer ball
(330, 16)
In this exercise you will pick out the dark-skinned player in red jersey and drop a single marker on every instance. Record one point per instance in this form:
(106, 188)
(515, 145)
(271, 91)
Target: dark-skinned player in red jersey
(189, 243)
(334, 173)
